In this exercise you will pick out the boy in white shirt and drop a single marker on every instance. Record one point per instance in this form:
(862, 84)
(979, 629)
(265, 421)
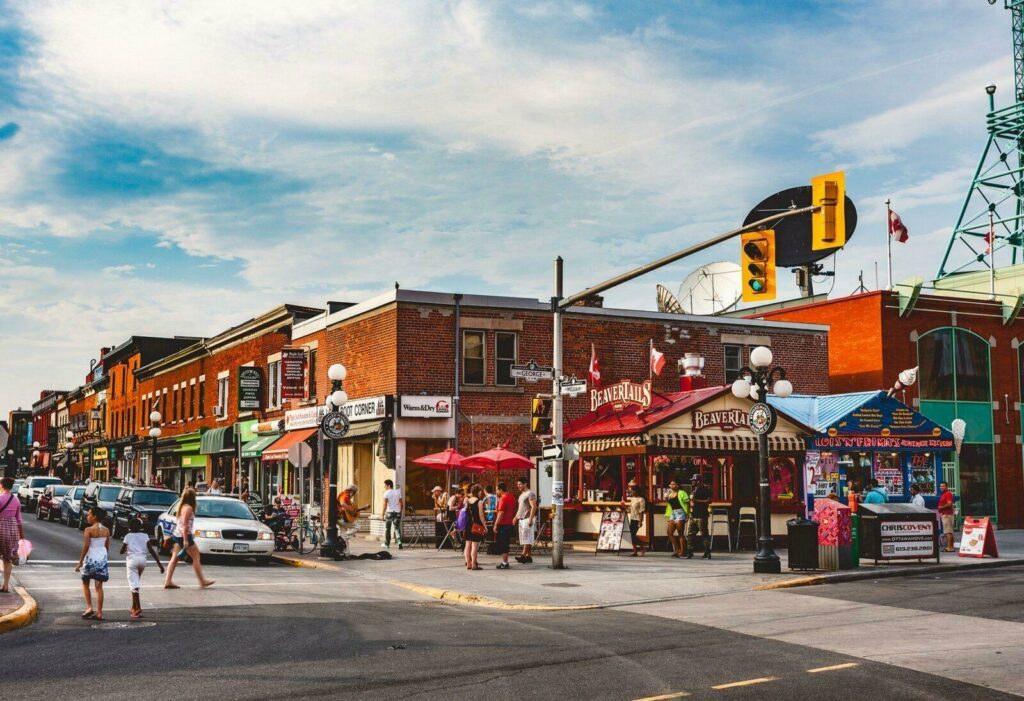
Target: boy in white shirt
(136, 543)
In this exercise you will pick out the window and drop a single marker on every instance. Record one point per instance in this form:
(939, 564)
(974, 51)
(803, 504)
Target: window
(733, 363)
(473, 357)
(222, 396)
(505, 348)
(935, 358)
(311, 369)
(202, 398)
(274, 384)
(192, 400)
(977, 481)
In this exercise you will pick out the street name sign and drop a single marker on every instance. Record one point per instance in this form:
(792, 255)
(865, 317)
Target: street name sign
(531, 372)
(571, 387)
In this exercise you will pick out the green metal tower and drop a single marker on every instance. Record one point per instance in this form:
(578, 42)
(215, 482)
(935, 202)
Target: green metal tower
(998, 188)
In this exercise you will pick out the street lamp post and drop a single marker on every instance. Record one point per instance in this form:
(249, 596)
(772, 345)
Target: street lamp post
(12, 469)
(154, 433)
(69, 443)
(336, 373)
(761, 379)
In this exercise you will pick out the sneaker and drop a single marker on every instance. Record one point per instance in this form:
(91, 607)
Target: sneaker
(707, 556)
(387, 546)
(527, 559)
(502, 566)
(520, 559)
(399, 545)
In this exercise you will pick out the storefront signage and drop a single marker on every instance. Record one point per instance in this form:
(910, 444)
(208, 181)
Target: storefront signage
(762, 419)
(100, 456)
(622, 393)
(908, 539)
(307, 417)
(978, 539)
(293, 373)
(250, 388)
(891, 442)
(365, 409)
(334, 425)
(725, 419)
(266, 427)
(425, 407)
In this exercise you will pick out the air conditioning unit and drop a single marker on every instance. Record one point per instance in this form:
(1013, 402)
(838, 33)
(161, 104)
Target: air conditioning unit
(220, 411)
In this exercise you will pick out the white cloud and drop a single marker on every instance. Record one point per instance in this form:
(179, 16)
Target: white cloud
(119, 270)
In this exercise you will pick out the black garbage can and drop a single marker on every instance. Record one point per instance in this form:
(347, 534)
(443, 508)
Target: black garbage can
(803, 544)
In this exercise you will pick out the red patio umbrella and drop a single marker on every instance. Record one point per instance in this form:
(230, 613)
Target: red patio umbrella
(497, 459)
(445, 460)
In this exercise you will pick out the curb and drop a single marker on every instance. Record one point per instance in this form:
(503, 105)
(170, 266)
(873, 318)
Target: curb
(308, 564)
(873, 573)
(457, 597)
(22, 616)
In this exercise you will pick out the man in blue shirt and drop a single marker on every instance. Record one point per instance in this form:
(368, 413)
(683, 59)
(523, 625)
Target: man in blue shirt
(875, 494)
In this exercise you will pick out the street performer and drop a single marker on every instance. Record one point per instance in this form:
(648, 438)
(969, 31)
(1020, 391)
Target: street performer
(348, 512)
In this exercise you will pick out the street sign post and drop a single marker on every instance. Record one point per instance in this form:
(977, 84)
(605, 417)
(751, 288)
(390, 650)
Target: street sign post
(571, 387)
(552, 452)
(531, 372)
(300, 454)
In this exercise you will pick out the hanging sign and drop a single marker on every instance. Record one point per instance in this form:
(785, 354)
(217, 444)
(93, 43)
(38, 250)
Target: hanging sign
(293, 373)
(621, 394)
(250, 387)
(978, 538)
(531, 372)
(762, 419)
(610, 537)
(334, 425)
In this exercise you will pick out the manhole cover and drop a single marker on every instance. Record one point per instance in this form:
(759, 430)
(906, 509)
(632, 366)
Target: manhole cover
(121, 625)
(563, 585)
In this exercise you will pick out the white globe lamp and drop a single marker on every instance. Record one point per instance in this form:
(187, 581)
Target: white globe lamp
(761, 357)
(154, 417)
(339, 397)
(337, 372)
(155, 432)
(741, 388)
(783, 388)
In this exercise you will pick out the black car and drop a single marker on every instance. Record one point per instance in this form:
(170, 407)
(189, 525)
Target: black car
(103, 495)
(144, 503)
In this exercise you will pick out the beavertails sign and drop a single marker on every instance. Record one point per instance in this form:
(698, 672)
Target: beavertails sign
(621, 394)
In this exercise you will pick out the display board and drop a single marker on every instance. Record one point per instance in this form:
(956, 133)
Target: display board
(908, 539)
(609, 539)
(978, 538)
(889, 473)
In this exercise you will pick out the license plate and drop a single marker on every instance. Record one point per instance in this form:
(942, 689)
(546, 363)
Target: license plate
(241, 547)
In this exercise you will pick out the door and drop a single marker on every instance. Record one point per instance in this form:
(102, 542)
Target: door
(363, 459)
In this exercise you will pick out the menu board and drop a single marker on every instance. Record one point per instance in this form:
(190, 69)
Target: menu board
(889, 473)
(609, 538)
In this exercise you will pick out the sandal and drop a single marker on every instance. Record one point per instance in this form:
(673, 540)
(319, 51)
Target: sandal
(89, 614)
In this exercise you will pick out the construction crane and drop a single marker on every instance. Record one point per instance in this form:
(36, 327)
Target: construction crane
(993, 212)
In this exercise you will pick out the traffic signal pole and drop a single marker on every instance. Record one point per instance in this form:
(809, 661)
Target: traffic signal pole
(560, 304)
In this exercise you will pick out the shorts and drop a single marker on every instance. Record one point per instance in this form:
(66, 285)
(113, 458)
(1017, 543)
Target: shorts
(678, 515)
(527, 533)
(947, 523)
(180, 541)
(503, 536)
(134, 565)
(634, 528)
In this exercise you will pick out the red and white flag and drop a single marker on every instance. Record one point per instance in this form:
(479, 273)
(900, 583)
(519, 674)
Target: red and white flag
(990, 236)
(657, 360)
(594, 372)
(897, 230)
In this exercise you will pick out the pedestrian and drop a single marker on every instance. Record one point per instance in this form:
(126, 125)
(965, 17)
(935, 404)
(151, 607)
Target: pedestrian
(215, 488)
(476, 530)
(637, 507)
(505, 523)
(915, 496)
(95, 541)
(526, 517)
(875, 494)
(947, 510)
(440, 501)
(11, 530)
(136, 545)
(677, 510)
(348, 512)
(700, 500)
(394, 506)
(183, 541)
(490, 508)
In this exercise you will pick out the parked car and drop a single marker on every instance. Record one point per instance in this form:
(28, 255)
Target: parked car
(144, 503)
(48, 505)
(71, 506)
(32, 488)
(103, 495)
(223, 526)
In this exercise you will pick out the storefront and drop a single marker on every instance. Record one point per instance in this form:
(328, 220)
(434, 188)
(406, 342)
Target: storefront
(184, 463)
(280, 475)
(635, 435)
(219, 446)
(423, 425)
(366, 453)
(869, 435)
(100, 463)
(255, 436)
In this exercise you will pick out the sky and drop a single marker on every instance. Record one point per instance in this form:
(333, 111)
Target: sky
(175, 168)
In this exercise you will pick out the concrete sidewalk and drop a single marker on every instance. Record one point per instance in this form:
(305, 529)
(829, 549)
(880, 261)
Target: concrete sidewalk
(613, 580)
(17, 609)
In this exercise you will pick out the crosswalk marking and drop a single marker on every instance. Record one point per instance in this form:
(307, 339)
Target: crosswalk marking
(745, 682)
(664, 697)
(832, 668)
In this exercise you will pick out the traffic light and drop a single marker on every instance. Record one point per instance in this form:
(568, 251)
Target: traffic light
(828, 224)
(757, 263)
(540, 417)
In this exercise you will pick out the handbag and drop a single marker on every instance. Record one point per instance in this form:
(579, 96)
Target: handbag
(478, 529)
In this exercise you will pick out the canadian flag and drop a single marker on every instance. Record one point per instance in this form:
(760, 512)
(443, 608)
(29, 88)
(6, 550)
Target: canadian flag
(657, 360)
(594, 372)
(990, 236)
(897, 230)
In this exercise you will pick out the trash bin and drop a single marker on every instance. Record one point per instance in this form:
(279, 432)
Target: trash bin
(855, 542)
(834, 535)
(803, 543)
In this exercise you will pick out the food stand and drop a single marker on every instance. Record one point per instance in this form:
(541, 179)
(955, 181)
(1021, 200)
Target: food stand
(864, 435)
(633, 434)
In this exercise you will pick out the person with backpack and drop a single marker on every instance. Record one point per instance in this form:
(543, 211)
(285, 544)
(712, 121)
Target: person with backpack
(875, 493)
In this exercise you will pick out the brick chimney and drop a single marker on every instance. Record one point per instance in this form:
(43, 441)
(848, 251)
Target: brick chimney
(691, 375)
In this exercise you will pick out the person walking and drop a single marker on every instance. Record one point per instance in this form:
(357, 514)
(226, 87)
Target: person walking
(394, 506)
(677, 510)
(947, 511)
(95, 541)
(875, 494)
(505, 523)
(11, 530)
(526, 517)
(477, 529)
(135, 546)
(215, 488)
(700, 500)
(637, 507)
(184, 541)
(916, 498)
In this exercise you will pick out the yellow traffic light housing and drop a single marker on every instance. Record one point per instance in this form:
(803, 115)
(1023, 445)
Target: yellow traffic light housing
(540, 417)
(828, 224)
(757, 264)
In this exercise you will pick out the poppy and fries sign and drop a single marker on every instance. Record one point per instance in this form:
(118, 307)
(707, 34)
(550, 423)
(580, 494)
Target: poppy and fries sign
(978, 538)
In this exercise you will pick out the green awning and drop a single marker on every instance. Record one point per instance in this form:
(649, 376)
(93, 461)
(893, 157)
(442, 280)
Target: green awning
(254, 448)
(219, 440)
(188, 443)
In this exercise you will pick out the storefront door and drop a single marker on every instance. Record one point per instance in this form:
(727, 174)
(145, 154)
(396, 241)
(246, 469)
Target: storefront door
(363, 471)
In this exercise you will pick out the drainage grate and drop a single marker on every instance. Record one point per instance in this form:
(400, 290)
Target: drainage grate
(122, 625)
(562, 585)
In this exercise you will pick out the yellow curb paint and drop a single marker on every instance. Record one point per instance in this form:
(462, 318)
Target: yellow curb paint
(308, 564)
(457, 597)
(21, 616)
(664, 697)
(801, 582)
(833, 668)
(745, 682)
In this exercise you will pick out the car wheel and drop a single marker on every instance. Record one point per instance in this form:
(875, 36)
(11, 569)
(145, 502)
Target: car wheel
(39, 513)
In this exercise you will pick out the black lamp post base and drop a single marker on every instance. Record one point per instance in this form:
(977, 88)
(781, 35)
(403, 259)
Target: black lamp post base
(767, 562)
(329, 550)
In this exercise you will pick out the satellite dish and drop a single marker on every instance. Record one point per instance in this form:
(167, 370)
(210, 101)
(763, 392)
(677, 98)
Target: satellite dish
(667, 301)
(711, 288)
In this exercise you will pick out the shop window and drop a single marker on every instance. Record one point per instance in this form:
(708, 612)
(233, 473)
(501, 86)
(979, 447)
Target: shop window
(733, 362)
(505, 346)
(977, 486)
(782, 480)
(473, 357)
(274, 384)
(922, 473)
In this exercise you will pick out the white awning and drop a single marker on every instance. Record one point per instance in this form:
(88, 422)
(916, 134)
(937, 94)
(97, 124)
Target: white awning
(725, 443)
(597, 445)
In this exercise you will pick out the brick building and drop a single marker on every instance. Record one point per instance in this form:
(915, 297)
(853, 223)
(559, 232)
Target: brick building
(19, 424)
(417, 360)
(44, 429)
(967, 349)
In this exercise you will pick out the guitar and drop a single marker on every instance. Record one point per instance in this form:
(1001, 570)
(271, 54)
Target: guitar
(350, 513)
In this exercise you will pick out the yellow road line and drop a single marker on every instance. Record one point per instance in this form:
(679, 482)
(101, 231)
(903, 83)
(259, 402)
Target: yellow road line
(834, 667)
(663, 697)
(746, 682)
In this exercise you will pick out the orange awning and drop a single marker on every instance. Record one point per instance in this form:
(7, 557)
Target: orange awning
(278, 450)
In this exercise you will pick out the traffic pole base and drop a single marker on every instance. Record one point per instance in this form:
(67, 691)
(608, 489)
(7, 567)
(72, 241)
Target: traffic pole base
(767, 565)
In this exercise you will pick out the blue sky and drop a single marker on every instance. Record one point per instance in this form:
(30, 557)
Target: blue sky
(162, 158)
